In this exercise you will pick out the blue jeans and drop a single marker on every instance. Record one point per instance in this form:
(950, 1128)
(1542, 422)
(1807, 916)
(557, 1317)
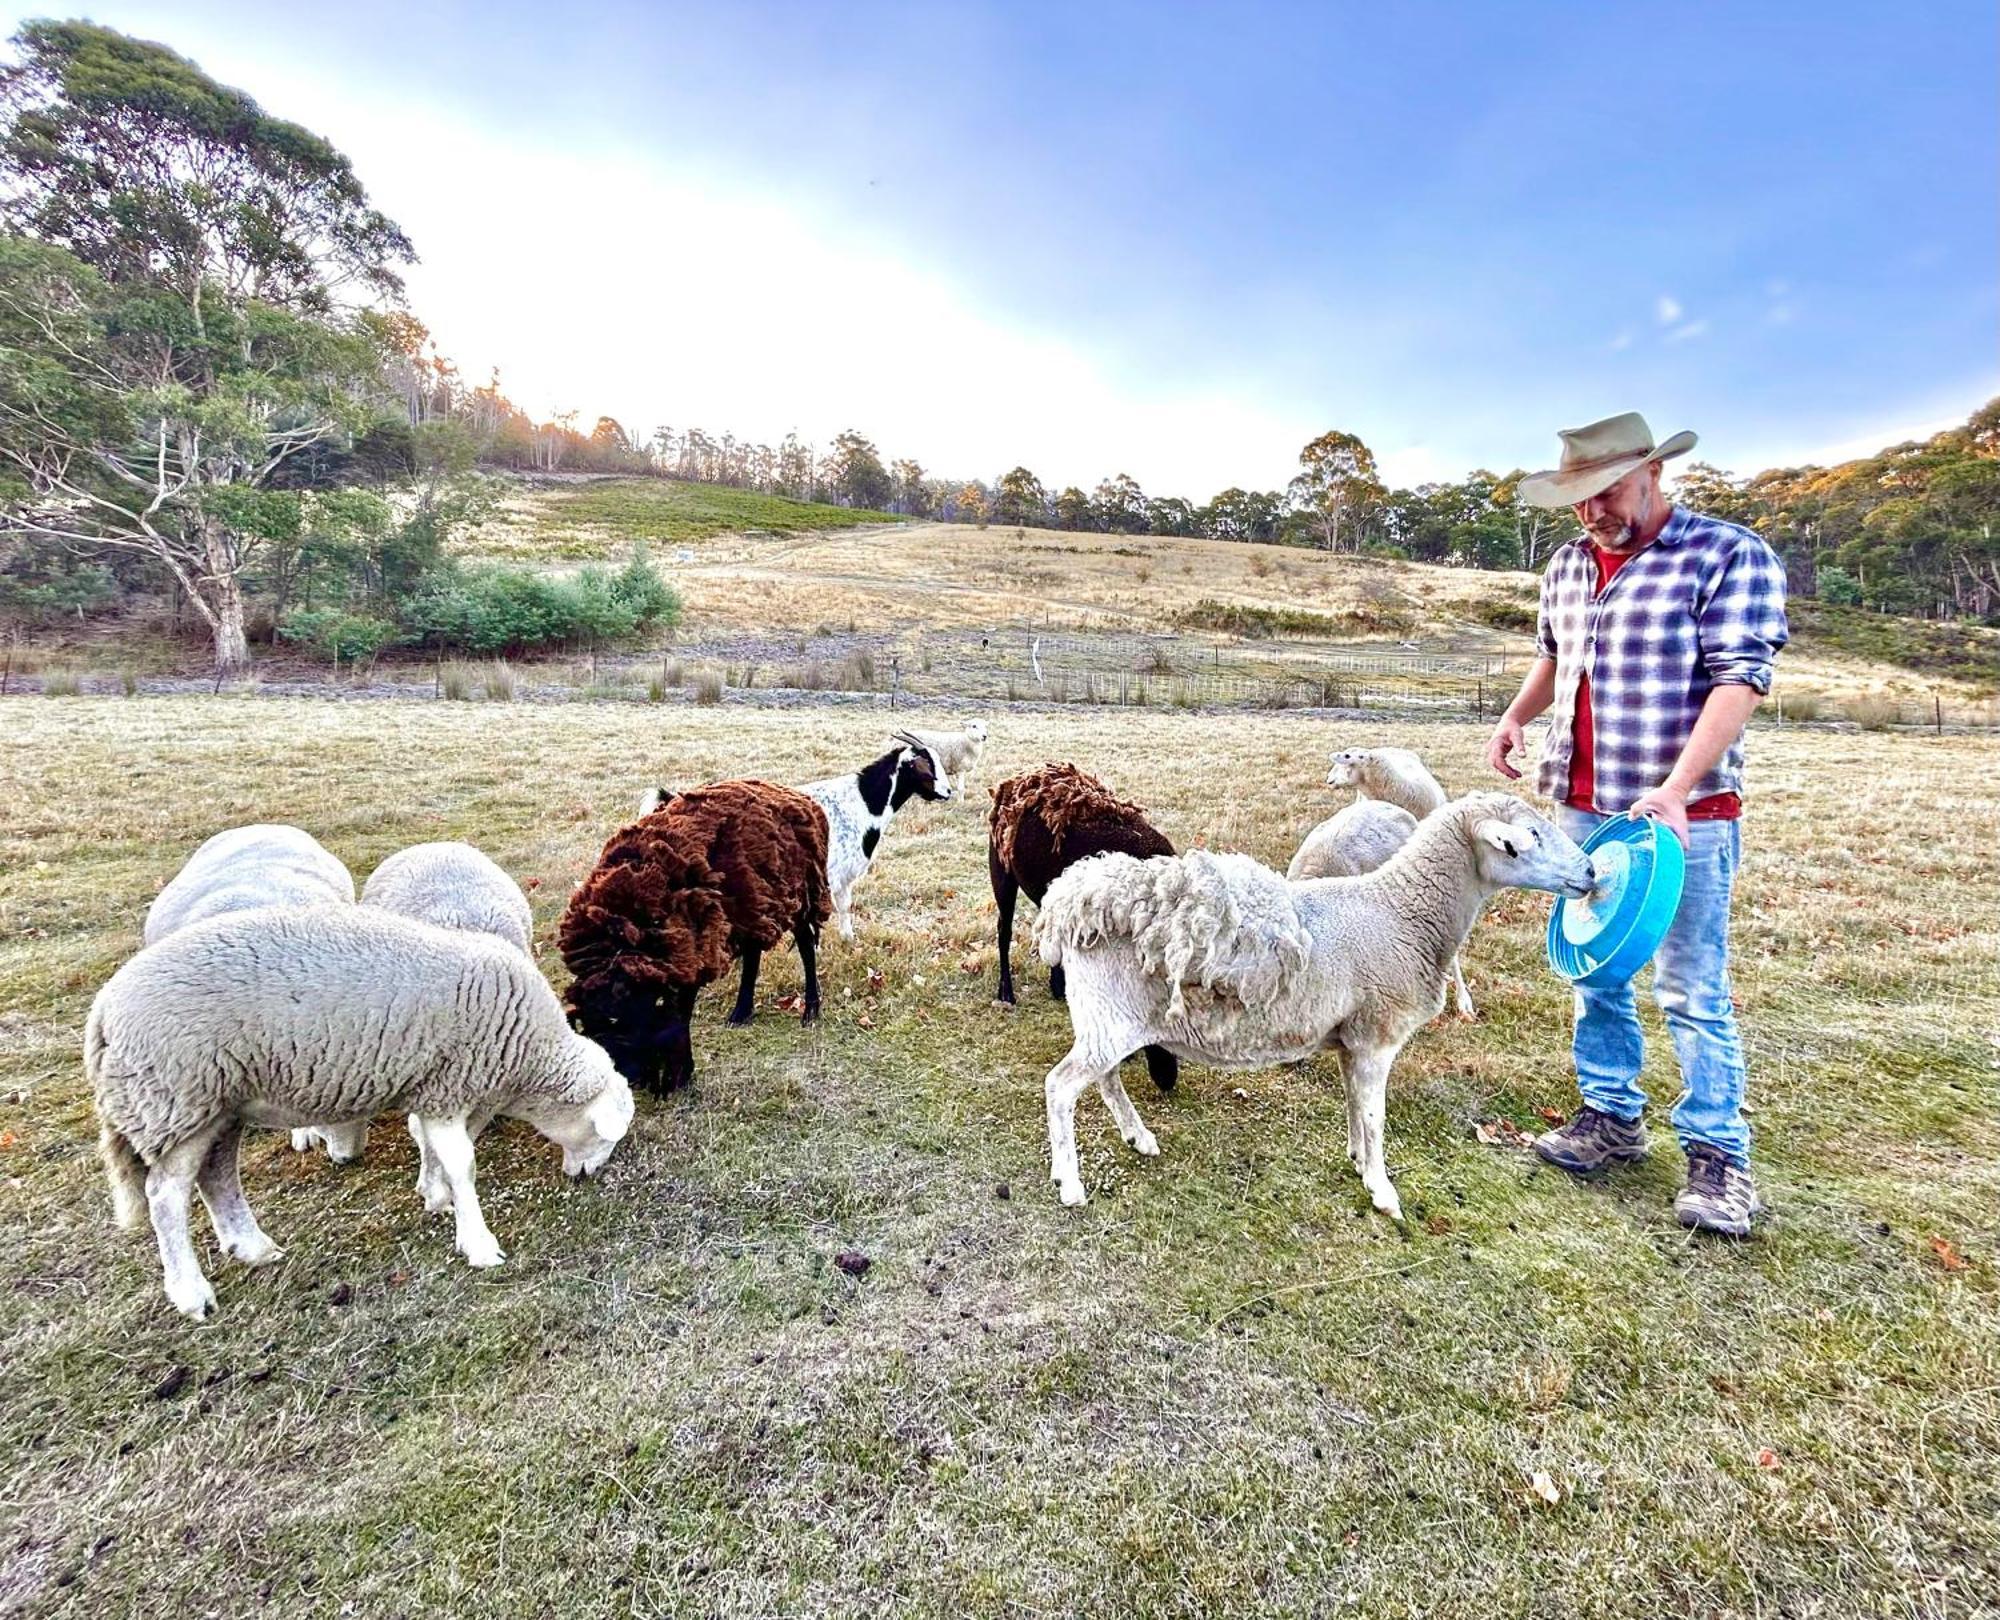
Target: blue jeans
(1691, 984)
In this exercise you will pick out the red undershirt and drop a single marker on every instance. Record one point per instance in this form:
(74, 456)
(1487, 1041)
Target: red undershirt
(1582, 760)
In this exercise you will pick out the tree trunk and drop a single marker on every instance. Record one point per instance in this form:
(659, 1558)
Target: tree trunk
(232, 645)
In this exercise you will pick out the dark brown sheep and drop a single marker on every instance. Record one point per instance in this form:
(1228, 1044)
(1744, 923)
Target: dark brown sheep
(1044, 821)
(721, 872)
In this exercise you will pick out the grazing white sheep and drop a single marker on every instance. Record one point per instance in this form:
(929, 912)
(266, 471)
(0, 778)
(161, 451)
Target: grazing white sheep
(859, 807)
(248, 869)
(449, 885)
(289, 1018)
(1221, 961)
(1396, 776)
(957, 751)
(1356, 838)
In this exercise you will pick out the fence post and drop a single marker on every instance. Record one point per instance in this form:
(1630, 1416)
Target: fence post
(1937, 712)
(1482, 700)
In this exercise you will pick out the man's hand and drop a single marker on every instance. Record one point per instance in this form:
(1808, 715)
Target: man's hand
(1508, 736)
(1670, 804)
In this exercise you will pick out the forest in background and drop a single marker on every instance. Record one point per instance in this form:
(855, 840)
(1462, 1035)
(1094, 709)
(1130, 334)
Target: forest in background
(211, 387)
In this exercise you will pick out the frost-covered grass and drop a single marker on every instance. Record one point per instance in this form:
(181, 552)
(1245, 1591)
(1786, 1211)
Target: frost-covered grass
(1223, 1387)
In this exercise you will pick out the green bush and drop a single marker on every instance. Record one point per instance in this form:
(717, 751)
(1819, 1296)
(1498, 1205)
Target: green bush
(500, 610)
(342, 636)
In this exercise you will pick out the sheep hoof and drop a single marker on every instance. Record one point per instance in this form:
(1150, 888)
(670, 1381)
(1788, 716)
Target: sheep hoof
(1387, 1202)
(302, 1141)
(1072, 1193)
(738, 1017)
(483, 1255)
(1145, 1143)
(1466, 1015)
(257, 1251)
(194, 1300)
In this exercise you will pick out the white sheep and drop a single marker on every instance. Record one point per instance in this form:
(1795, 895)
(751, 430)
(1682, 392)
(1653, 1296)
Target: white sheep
(449, 885)
(1356, 838)
(957, 751)
(1397, 776)
(248, 869)
(288, 1018)
(1221, 961)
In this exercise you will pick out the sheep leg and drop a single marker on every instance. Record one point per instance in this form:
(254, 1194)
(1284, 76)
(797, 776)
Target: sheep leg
(169, 1191)
(1067, 1081)
(451, 1150)
(843, 914)
(221, 1187)
(1006, 889)
(1058, 983)
(746, 993)
(1355, 1156)
(1465, 1008)
(1368, 1092)
(431, 1185)
(806, 937)
(1130, 1126)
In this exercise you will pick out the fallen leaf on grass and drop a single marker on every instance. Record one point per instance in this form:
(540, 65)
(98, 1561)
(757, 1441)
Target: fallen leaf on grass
(7, 1139)
(877, 979)
(790, 1004)
(1552, 1117)
(1437, 1226)
(1767, 1458)
(1948, 1257)
(1503, 1133)
(1546, 1488)
(865, 1022)
(531, 884)
(969, 965)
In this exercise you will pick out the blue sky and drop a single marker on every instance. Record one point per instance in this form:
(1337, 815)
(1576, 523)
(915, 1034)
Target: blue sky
(1178, 241)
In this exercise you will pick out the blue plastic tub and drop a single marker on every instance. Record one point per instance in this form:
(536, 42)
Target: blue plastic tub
(1605, 939)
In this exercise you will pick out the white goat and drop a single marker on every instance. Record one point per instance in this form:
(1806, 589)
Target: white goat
(957, 751)
(1221, 961)
(1356, 838)
(1397, 776)
(291, 1017)
(859, 807)
(248, 869)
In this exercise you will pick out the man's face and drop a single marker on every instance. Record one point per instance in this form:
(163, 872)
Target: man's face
(1614, 518)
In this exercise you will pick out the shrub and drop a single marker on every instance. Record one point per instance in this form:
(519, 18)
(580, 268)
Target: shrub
(706, 687)
(1800, 705)
(656, 690)
(512, 610)
(341, 636)
(1506, 615)
(857, 674)
(455, 682)
(1876, 712)
(497, 681)
(128, 682)
(61, 683)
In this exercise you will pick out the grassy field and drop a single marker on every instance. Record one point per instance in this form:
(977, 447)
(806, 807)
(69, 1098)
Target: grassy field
(1224, 1387)
(603, 518)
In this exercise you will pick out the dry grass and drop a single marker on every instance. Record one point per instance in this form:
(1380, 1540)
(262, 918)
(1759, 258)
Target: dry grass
(1223, 1388)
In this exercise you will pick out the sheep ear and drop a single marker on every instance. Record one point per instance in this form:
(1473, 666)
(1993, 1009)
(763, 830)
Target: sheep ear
(1504, 836)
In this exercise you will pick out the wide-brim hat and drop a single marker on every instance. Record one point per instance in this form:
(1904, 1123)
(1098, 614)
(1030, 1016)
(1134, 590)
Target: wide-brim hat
(1596, 457)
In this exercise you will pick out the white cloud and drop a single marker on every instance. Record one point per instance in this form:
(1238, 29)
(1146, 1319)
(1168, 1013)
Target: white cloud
(1781, 314)
(1690, 329)
(1668, 310)
(1622, 341)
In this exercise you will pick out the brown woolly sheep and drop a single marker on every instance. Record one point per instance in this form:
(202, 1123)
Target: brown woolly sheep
(720, 872)
(1044, 821)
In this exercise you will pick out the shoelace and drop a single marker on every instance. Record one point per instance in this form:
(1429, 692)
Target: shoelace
(1708, 1174)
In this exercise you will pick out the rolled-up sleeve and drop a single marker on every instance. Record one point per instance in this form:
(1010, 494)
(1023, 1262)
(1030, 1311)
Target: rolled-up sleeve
(1742, 622)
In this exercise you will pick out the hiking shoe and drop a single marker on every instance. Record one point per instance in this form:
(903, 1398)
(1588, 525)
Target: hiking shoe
(1593, 1141)
(1719, 1196)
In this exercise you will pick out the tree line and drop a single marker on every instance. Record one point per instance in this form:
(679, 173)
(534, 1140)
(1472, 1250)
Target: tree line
(209, 384)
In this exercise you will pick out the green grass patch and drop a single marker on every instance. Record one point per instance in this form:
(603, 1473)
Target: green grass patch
(1262, 623)
(1961, 651)
(604, 519)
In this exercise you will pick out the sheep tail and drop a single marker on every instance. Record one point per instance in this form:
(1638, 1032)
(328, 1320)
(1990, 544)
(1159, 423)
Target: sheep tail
(126, 1172)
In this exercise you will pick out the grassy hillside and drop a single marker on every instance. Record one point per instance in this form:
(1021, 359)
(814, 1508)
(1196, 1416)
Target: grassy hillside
(1222, 1388)
(603, 518)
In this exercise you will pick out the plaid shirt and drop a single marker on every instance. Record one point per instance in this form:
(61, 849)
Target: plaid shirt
(1703, 606)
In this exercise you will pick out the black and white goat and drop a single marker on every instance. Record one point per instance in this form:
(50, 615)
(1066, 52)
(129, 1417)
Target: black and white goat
(859, 807)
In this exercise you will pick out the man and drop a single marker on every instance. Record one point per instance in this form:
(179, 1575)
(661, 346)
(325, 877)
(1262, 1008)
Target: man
(1657, 635)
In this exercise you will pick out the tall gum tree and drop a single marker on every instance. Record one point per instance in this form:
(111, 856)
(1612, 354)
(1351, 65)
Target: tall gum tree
(178, 294)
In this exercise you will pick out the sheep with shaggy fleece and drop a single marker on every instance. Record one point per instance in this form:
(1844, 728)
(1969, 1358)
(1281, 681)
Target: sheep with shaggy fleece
(1044, 821)
(957, 752)
(1221, 961)
(248, 869)
(290, 1018)
(1399, 777)
(449, 885)
(1356, 838)
(722, 872)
